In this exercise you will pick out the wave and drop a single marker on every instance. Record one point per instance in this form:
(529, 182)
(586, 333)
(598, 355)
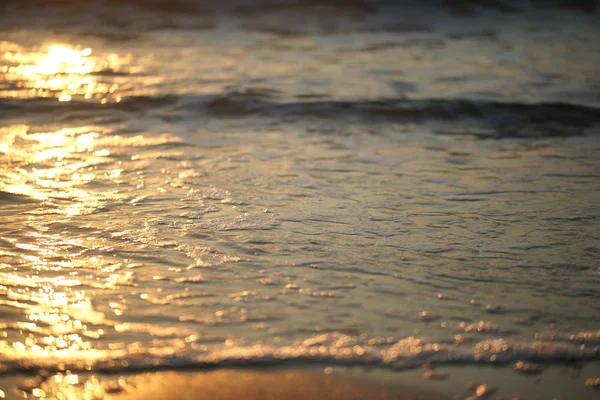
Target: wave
(365, 6)
(40, 105)
(480, 118)
(325, 349)
(353, 7)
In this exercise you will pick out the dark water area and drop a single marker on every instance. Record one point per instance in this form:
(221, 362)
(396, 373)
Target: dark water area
(406, 186)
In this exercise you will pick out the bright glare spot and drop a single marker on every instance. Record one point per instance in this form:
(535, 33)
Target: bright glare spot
(63, 59)
(64, 97)
(73, 379)
(61, 71)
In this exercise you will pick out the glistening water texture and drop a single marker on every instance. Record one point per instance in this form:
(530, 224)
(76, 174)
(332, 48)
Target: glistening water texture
(318, 184)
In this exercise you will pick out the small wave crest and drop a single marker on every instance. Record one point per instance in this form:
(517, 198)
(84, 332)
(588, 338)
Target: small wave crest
(484, 119)
(42, 106)
(325, 349)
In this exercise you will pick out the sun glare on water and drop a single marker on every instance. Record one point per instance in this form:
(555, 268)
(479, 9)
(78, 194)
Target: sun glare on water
(51, 165)
(60, 71)
(63, 59)
(48, 274)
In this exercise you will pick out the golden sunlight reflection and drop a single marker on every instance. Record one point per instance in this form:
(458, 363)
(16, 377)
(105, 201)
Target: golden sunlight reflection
(59, 319)
(67, 385)
(60, 275)
(52, 165)
(68, 168)
(63, 72)
(49, 275)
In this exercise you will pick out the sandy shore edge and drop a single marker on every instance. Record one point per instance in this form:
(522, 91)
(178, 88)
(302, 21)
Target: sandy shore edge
(252, 384)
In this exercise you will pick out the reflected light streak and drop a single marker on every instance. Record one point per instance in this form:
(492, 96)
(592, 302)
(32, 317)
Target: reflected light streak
(49, 165)
(52, 271)
(48, 275)
(60, 71)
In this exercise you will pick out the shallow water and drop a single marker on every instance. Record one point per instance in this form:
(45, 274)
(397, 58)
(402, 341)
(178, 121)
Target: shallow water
(331, 185)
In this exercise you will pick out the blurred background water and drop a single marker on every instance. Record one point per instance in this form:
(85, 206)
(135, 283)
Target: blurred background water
(326, 183)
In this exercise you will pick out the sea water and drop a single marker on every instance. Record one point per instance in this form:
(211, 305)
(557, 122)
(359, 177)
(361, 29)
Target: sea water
(297, 183)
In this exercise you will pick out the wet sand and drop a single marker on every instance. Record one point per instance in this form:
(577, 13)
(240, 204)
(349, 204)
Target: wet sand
(265, 385)
(550, 381)
(539, 381)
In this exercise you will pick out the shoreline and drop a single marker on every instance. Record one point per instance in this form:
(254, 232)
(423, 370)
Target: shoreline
(285, 384)
(549, 381)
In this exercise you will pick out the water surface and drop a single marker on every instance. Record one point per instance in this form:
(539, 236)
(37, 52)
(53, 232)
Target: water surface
(318, 184)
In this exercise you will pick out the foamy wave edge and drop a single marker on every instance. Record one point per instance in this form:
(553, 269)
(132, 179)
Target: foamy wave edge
(325, 349)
